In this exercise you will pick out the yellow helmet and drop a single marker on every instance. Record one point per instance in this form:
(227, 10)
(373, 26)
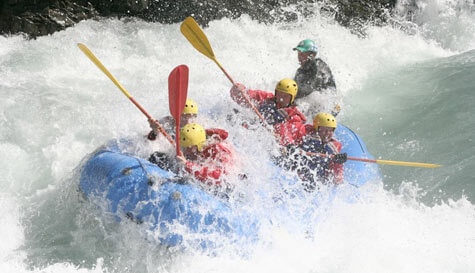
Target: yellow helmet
(192, 134)
(288, 86)
(324, 119)
(190, 107)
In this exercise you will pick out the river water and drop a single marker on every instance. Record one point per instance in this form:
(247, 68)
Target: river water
(407, 89)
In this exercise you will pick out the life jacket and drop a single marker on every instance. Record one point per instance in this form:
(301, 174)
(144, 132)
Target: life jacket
(216, 134)
(268, 110)
(293, 129)
(213, 161)
(323, 167)
(290, 130)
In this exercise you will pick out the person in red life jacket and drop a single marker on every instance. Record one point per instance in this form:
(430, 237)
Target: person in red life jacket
(319, 139)
(208, 161)
(277, 109)
(189, 115)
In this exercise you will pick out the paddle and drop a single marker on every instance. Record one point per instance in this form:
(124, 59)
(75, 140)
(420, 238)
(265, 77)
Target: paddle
(177, 93)
(98, 63)
(379, 161)
(195, 35)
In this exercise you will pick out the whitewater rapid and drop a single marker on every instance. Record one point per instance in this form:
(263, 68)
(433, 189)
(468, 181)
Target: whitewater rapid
(408, 94)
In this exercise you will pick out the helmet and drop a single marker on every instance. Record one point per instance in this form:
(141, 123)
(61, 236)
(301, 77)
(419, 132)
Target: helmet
(324, 119)
(306, 46)
(287, 86)
(190, 107)
(192, 134)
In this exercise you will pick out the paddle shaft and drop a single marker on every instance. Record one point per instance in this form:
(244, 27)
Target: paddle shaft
(224, 71)
(98, 63)
(379, 161)
(248, 100)
(246, 97)
(160, 127)
(177, 134)
(197, 38)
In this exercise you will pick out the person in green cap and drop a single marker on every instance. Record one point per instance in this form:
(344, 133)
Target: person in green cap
(313, 75)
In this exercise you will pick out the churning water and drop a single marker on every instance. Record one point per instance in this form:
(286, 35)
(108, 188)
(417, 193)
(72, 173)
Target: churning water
(407, 90)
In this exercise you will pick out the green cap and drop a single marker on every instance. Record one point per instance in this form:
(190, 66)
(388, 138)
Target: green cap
(306, 45)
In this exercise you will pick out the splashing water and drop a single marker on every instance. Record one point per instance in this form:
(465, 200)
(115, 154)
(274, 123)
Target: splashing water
(407, 95)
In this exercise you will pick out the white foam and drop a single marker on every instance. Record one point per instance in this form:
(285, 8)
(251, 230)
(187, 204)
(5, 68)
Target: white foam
(448, 22)
(56, 107)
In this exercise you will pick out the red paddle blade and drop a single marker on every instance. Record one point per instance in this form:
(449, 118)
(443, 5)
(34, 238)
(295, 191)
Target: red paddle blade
(177, 90)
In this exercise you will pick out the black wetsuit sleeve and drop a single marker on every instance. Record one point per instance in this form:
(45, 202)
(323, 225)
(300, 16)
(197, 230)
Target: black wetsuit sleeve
(324, 76)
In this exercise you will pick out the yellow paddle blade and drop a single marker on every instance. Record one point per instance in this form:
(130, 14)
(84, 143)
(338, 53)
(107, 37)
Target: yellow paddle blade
(98, 63)
(410, 164)
(195, 35)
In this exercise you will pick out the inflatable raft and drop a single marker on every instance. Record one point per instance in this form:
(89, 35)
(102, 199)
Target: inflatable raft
(177, 212)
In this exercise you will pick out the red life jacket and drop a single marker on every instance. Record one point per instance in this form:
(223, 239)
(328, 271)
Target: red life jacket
(214, 160)
(291, 130)
(216, 134)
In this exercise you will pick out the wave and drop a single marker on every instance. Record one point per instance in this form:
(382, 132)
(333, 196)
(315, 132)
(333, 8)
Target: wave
(407, 95)
(450, 23)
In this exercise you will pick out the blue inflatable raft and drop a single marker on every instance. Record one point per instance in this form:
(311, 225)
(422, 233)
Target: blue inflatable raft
(181, 213)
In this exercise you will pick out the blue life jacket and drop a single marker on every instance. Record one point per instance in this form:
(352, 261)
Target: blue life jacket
(315, 163)
(268, 109)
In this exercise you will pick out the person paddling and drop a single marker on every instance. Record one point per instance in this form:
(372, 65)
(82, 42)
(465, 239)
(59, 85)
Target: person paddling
(209, 161)
(189, 115)
(277, 108)
(319, 139)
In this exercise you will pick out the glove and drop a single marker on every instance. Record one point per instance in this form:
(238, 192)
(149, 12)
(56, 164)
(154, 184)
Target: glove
(340, 158)
(237, 92)
(153, 124)
(152, 135)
